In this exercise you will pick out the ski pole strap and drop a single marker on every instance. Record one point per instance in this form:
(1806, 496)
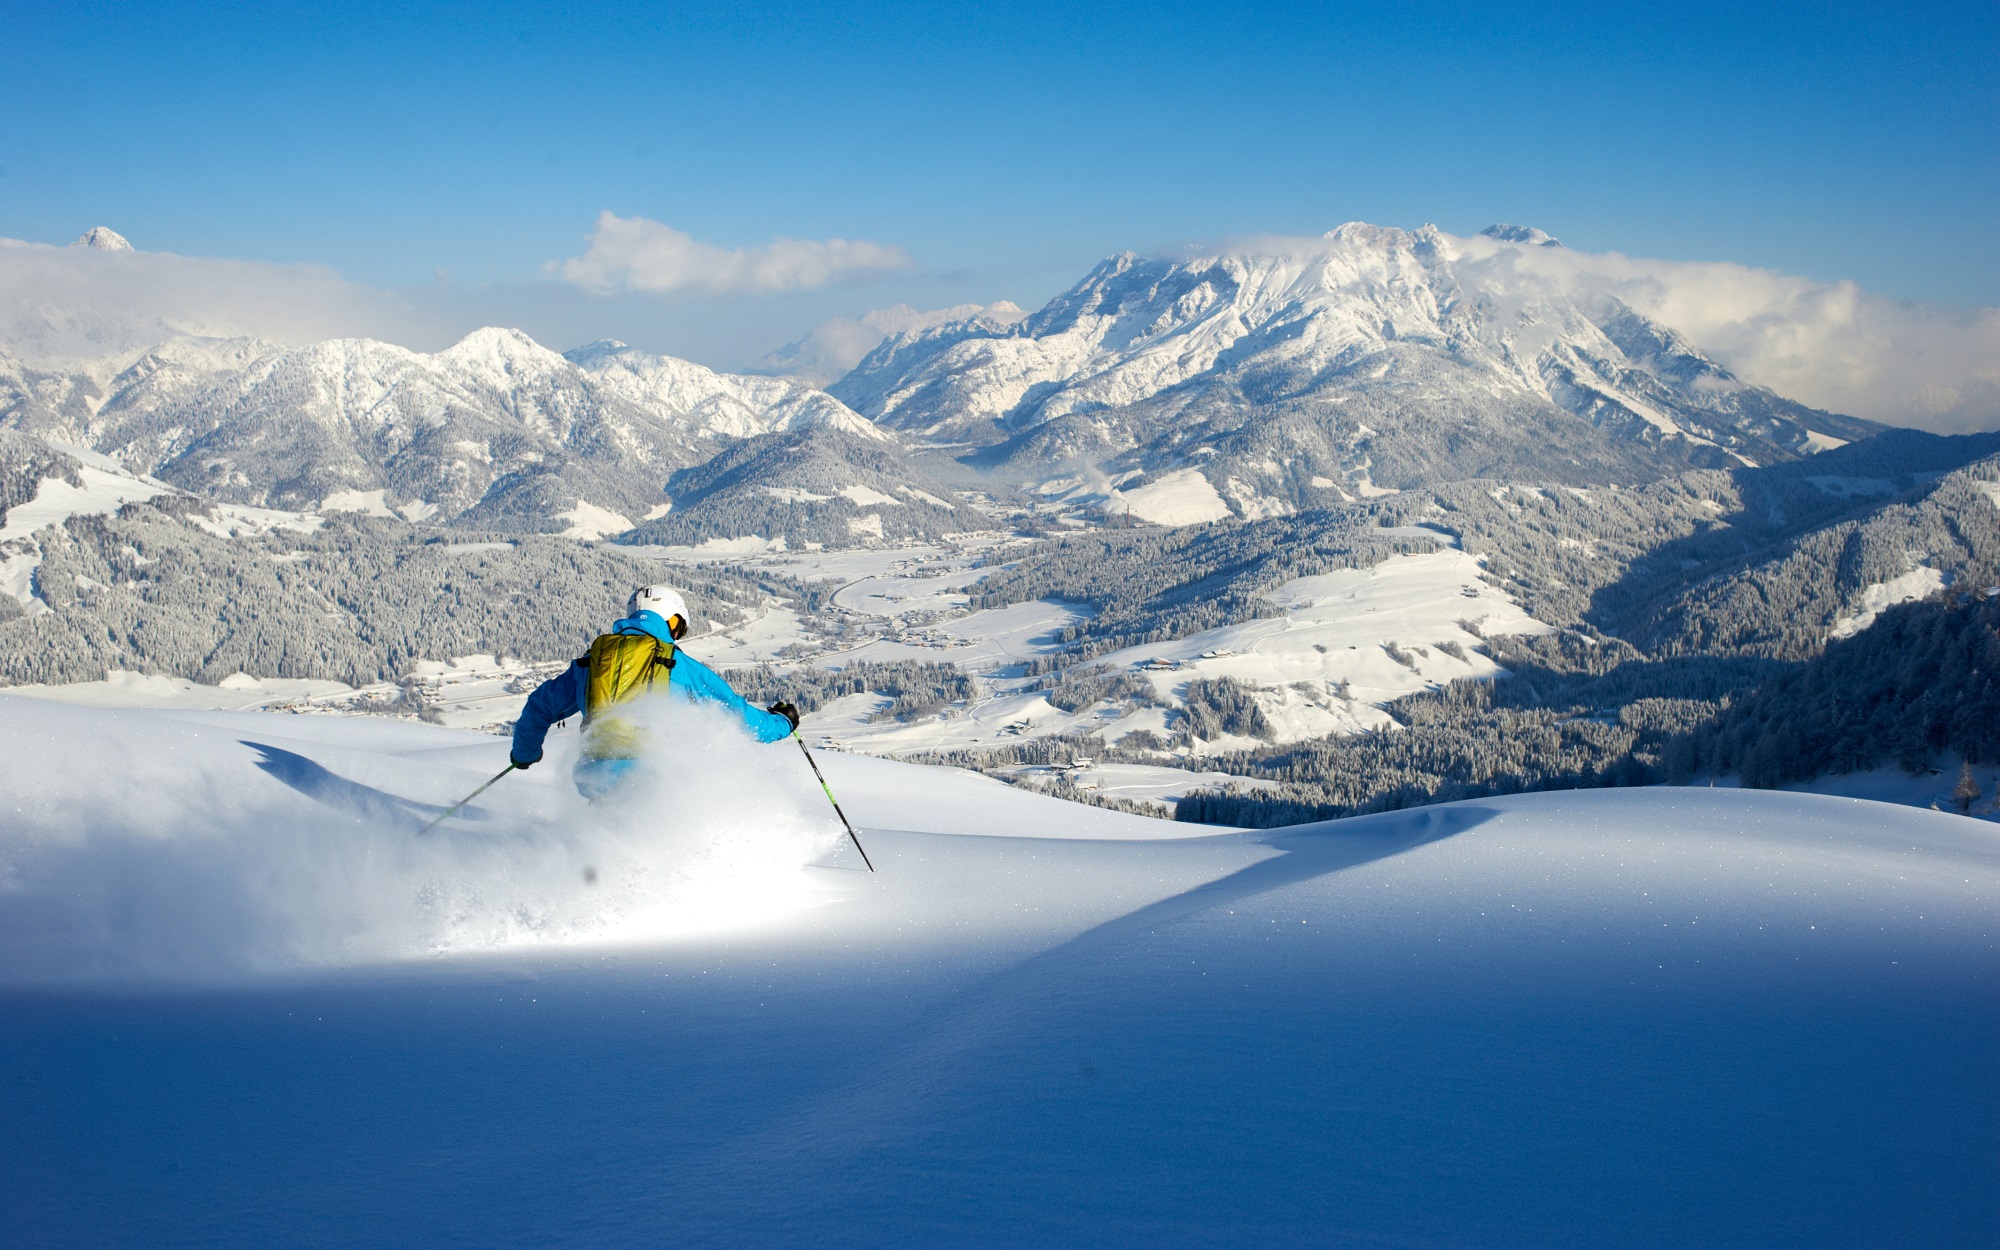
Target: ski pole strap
(443, 816)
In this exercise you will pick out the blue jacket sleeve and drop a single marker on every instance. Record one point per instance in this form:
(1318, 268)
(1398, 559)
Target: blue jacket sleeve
(695, 680)
(558, 698)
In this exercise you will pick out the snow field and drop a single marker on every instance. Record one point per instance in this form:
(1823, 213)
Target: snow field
(17, 578)
(123, 688)
(1184, 497)
(588, 521)
(1153, 783)
(991, 721)
(367, 502)
(479, 692)
(1932, 788)
(243, 843)
(1880, 596)
(104, 490)
(1557, 1020)
(1647, 1018)
(1336, 628)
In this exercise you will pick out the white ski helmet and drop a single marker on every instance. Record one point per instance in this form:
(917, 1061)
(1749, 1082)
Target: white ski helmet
(664, 600)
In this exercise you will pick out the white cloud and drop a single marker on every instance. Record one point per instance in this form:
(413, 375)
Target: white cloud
(637, 254)
(1828, 344)
(80, 303)
(839, 343)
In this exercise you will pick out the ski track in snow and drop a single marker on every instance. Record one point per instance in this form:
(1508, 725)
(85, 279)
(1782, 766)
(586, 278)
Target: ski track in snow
(249, 1006)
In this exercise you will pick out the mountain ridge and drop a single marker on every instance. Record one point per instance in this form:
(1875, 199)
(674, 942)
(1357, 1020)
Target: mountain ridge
(495, 428)
(1284, 374)
(1403, 357)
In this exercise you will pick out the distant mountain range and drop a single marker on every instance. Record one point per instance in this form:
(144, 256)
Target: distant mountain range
(495, 430)
(1292, 374)
(1260, 381)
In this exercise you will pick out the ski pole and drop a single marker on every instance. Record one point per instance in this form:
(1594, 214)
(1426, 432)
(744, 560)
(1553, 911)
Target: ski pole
(468, 798)
(829, 798)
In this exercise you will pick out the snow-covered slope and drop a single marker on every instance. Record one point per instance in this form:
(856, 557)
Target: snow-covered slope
(814, 487)
(42, 485)
(1342, 645)
(101, 485)
(1645, 1018)
(495, 427)
(718, 404)
(1372, 357)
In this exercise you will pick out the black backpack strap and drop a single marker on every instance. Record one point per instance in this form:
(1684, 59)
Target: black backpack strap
(664, 657)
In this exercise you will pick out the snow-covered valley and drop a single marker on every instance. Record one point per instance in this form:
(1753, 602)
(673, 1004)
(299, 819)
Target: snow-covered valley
(1659, 1017)
(1321, 667)
(1337, 649)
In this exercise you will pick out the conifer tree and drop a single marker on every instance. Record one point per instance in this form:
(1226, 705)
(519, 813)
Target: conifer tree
(1967, 792)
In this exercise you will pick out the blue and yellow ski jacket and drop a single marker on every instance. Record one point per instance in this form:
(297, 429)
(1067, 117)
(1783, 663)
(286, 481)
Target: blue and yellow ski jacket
(561, 697)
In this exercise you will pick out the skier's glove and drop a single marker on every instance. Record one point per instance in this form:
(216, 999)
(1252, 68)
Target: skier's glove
(785, 710)
(523, 765)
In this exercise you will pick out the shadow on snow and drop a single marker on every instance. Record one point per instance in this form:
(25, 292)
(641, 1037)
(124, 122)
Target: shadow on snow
(351, 797)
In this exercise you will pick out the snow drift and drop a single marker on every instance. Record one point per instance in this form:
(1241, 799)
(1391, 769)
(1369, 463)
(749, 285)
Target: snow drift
(1648, 1017)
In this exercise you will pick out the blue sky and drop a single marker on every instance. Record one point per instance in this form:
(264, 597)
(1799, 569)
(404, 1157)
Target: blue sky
(1003, 148)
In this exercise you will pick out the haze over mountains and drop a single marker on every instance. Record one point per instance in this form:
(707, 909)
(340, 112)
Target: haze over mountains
(836, 346)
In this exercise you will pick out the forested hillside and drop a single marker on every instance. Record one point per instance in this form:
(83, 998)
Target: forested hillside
(1924, 680)
(155, 588)
(1753, 561)
(1695, 620)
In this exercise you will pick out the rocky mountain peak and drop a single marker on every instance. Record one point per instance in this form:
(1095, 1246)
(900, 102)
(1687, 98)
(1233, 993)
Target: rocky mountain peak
(1521, 234)
(1369, 358)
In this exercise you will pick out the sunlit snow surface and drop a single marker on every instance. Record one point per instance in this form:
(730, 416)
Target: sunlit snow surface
(250, 1006)
(106, 487)
(239, 843)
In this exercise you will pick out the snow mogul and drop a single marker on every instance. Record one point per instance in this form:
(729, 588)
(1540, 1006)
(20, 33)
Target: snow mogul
(641, 655)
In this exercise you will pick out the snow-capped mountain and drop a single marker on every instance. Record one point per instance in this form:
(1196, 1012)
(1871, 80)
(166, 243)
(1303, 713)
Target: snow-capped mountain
(96, 305)
(495, 428)
(1291, 371)
(820, 486)
(1270, 378)
(103, 239)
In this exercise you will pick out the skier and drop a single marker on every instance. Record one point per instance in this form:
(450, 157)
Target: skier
(638, 656)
